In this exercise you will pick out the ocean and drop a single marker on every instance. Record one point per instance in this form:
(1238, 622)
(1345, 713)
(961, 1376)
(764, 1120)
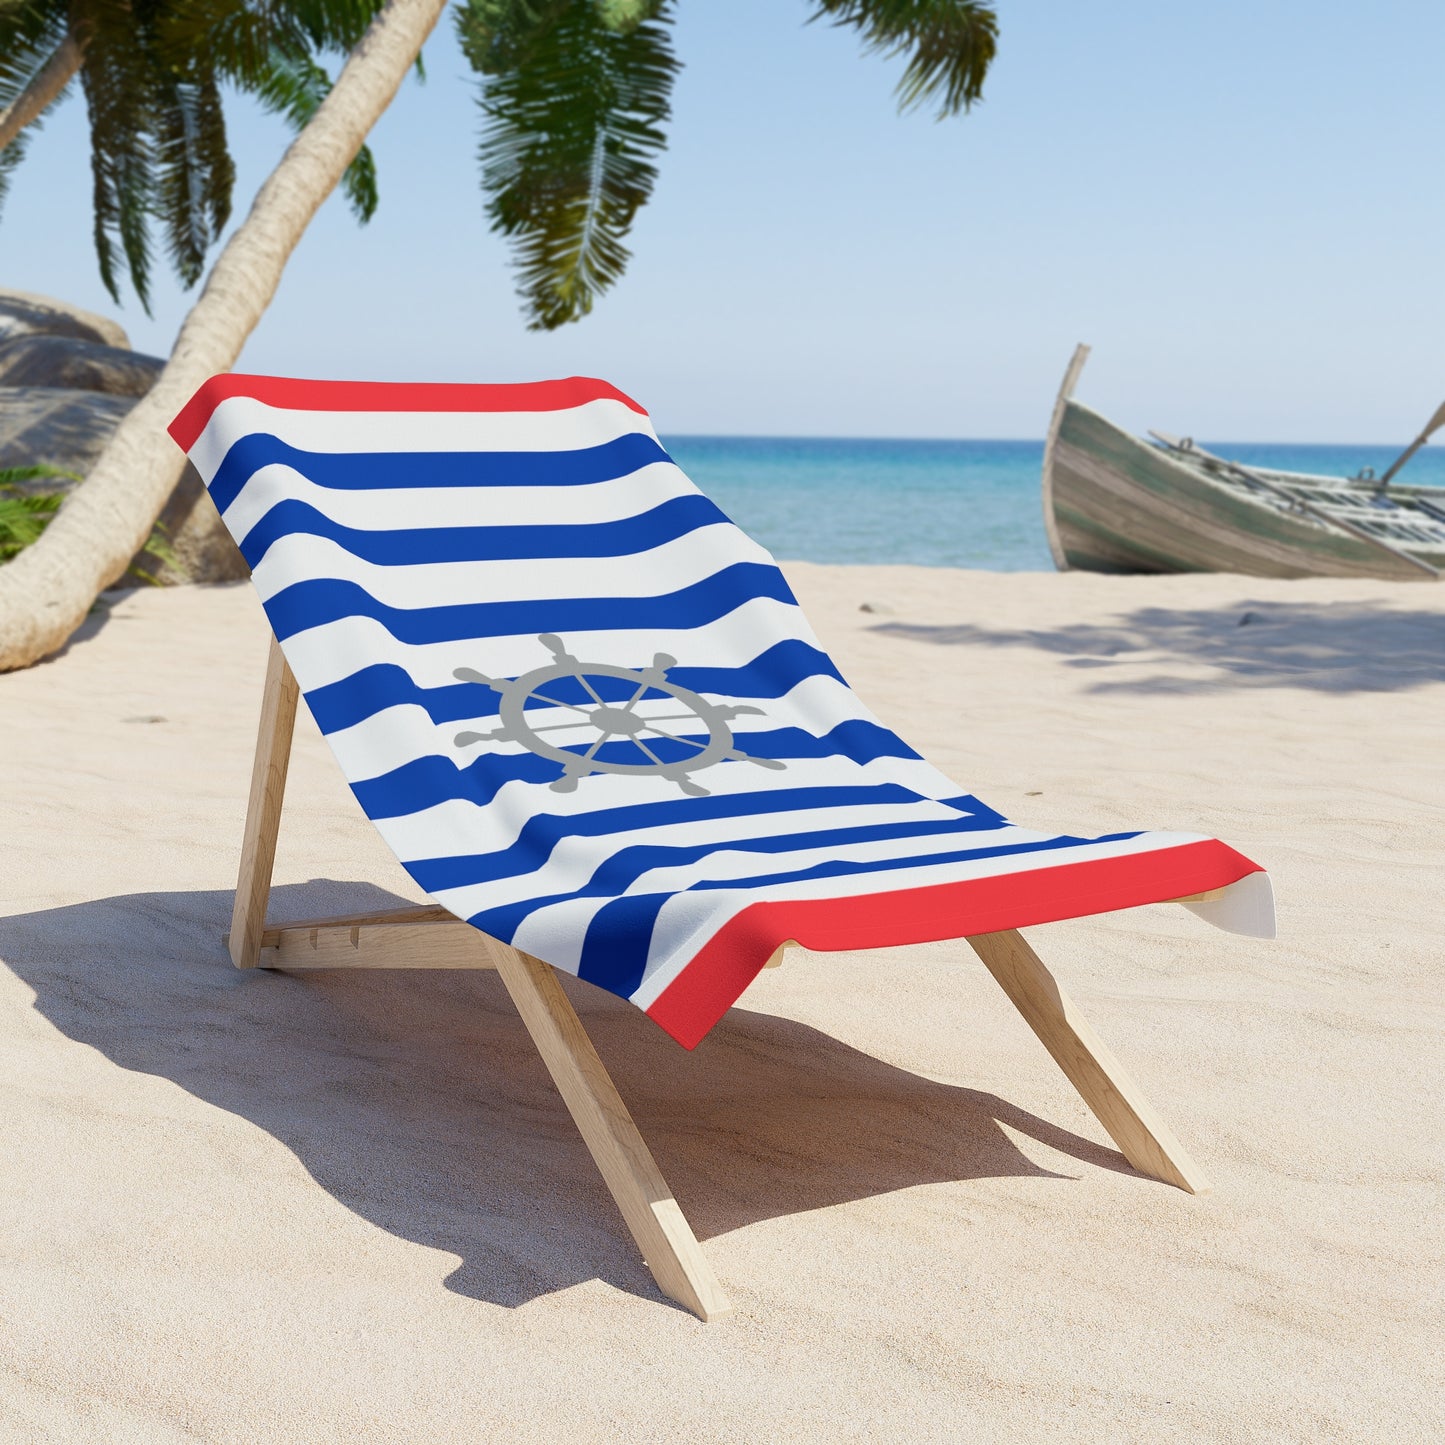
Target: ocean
(933, 503)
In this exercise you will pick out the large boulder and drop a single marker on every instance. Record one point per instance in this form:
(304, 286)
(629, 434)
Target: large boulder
(24, 314)
(67, 361)
(57, 426)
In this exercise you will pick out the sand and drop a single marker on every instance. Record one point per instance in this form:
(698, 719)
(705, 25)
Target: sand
(259, 1208)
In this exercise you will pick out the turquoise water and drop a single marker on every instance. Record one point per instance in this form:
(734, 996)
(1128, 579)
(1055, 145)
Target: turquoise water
(933, 503)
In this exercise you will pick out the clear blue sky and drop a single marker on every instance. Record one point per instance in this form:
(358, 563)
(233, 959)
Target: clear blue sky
(1239, 205)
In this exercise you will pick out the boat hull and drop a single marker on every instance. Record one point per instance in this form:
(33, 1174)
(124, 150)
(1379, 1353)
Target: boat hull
(1117, 504)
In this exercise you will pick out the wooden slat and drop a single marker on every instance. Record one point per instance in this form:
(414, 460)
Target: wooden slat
(263, 811)
(406, 913)
(451, 944)
(1142, 1136)
(662, 1233)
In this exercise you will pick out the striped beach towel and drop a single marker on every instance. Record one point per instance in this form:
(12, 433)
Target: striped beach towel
(586, 712)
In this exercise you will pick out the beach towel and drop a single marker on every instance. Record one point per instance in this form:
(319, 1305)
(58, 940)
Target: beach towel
(586, 712)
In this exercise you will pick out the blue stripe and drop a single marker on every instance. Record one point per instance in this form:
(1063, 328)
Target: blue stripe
(425, 782)
(615, 874)
(407, 547)
(350, 700)
(374, 471)
(614, 951)
(324, 599)
(543, 831)
(615, 946)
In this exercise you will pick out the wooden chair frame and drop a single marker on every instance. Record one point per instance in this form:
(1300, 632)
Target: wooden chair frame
(427, 936)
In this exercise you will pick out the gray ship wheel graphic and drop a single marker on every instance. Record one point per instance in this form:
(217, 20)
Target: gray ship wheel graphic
(598, 722)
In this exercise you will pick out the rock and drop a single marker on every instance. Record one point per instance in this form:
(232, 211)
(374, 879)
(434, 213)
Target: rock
(881, 608)
(25, 314)
(67, 361)
(58, 426)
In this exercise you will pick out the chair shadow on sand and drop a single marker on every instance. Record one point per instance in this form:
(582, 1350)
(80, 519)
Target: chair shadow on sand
(1334, 647)
(416, 1099)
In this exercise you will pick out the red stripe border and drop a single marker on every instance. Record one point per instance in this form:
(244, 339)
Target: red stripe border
(729, 961)
(297, 395)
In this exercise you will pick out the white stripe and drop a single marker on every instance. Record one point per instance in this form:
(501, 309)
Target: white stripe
(594, 423)
(682, 562)
(403, 508)
(562, 934)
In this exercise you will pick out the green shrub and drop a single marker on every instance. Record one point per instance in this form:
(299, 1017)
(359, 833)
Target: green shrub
(25, 515)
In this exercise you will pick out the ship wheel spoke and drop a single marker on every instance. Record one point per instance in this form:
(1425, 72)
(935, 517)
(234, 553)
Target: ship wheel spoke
(557, 702)
(673, 738)
(631, 702)
(648, 751)
(596, 696)
(592, 751)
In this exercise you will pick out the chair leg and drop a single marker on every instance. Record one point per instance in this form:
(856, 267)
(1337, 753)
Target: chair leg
(662, 1233)
(1142, 1136)
(263, 811)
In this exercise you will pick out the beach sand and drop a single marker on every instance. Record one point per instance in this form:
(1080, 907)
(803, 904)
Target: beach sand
(342, 1207)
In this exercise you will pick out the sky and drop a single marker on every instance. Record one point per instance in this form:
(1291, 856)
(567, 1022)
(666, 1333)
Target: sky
(1238, 205)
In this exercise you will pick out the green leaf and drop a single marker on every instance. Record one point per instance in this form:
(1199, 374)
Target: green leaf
(23, 517)
(950, 45)
(574, 95)
(29, 35)
(293, 85)
(194, 170)
(34, 471)
(117, 77)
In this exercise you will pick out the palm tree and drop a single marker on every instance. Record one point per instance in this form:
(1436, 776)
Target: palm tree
(152, 76)
(575, 93)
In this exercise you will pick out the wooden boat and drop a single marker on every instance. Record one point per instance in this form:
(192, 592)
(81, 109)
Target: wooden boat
(1116, 503)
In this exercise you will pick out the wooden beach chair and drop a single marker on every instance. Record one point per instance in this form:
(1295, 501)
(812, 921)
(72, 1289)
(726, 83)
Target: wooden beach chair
(587, 714)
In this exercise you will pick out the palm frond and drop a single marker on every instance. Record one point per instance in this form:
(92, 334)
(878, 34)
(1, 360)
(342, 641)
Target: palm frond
(293, 85)
(950, 45)
(29, 36)
(335, 25)
(24, 515)
(30, 33)
(11, 157)
(574, 95)
(118, 83)
(194, 170)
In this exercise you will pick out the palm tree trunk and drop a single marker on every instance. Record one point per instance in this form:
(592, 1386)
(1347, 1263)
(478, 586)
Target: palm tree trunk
(45, 85)
(47, 590)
